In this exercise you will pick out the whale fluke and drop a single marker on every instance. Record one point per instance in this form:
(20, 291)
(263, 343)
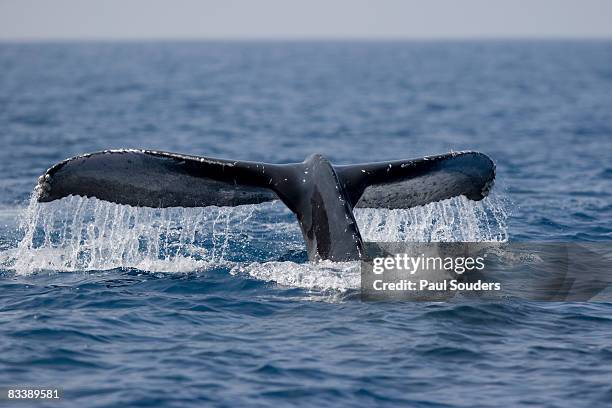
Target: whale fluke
(320, 194)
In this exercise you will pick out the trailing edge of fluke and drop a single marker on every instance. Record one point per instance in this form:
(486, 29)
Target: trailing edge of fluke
(321, 195)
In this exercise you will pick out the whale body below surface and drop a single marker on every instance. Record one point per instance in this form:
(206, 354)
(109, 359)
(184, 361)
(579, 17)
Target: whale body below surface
(321, 195)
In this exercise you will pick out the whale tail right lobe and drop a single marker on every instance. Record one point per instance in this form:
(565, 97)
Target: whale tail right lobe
(320, 194)
(411, 183)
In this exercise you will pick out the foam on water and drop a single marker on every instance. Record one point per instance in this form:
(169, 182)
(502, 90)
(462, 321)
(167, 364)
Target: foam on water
(324, 275)
(80, 234)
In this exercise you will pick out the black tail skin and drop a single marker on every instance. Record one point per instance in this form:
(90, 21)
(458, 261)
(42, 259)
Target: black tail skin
(320, 194)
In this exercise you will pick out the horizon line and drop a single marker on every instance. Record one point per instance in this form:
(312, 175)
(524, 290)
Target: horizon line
(43, 40)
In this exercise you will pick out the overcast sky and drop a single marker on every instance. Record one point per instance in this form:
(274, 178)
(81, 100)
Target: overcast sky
(278, 19)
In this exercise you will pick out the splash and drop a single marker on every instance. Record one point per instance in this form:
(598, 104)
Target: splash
(79, 234)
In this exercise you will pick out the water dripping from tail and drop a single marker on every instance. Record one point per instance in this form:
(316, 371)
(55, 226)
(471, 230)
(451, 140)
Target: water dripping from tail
(77, 234)
(454, 220)
(81, 234)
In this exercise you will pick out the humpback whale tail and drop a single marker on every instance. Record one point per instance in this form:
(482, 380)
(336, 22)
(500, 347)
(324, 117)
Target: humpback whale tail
(321, 195)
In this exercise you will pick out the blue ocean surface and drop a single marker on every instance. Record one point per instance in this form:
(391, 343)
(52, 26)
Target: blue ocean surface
(124, 306)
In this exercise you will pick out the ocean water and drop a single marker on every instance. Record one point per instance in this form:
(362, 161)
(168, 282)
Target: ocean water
(123, 306)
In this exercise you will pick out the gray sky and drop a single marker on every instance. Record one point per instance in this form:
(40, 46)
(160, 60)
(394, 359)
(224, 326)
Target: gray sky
(244, 19)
